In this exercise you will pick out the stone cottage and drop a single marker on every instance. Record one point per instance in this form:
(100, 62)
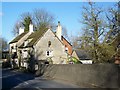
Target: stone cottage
(41, 45)
(16, 43)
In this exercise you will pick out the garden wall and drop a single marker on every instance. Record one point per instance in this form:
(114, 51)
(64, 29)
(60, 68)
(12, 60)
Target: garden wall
(95, 75)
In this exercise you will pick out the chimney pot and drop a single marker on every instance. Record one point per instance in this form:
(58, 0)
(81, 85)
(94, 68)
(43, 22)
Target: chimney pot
(58, 23)
(30, 21)
(31, 27)
(59, 30)
(21, 30)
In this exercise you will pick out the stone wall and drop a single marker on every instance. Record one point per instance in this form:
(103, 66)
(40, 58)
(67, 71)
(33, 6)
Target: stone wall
(95, 75)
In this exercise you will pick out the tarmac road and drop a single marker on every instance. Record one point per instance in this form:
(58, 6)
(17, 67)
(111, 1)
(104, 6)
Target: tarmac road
(16, 79)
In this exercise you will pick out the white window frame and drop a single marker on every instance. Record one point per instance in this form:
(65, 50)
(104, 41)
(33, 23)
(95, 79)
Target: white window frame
(50, 53)
(25, 54)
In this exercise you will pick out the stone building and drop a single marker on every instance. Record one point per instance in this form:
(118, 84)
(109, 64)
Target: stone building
(40, 45)
(15, 43)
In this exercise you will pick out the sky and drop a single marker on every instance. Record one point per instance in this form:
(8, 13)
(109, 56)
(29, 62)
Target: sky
(68, 13)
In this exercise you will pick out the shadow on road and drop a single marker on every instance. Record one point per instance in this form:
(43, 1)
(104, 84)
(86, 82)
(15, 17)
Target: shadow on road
(11, 78)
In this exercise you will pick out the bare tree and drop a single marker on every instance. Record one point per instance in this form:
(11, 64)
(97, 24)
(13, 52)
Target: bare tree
(95, 29)
(24, 21)
(113, 35)
(113, 17)
(40, 18)
(3, 44)
(16, 27)
(64, 32)
(43, 19)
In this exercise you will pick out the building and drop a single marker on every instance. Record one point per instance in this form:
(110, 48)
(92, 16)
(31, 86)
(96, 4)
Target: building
(15, 43)
(41, 45)
(5, 56)
(83, 56)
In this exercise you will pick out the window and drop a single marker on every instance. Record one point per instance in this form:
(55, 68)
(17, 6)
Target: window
(11, 47)
(25, 54)
(46, 62)
(14, 55)
(66, 48)
(49, 43)
(48, 53)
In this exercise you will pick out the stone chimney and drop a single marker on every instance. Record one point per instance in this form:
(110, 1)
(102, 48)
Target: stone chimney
(59, 30)
(21, 30)
(31, 27)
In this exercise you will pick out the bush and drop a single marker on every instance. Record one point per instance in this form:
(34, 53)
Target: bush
(6, 64)
(75, 60)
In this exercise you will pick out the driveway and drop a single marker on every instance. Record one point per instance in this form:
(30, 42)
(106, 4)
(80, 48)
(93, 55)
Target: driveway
(16, 79)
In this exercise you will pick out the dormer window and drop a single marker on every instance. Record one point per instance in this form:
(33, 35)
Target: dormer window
(49, 43)
(29, 40)
(25, 43)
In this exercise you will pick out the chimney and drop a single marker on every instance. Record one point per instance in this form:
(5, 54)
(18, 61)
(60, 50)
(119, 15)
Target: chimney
(59, 30)
(21, 30)
(31, 27)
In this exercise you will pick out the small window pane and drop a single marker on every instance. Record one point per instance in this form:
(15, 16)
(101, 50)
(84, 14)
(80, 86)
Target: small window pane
(49, 43)
(47, 53)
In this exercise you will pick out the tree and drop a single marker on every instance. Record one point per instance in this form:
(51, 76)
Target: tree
(43, 19)
(40, 18)
(27, 19)
(64, 32)
(94, 30)
(74, 41)
(3, 44)
(113, 17)
(16, 27)
(24, 21)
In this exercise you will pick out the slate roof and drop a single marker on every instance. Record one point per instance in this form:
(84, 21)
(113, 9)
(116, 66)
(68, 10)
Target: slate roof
(35, 36)
(83, 55)
(18, 37)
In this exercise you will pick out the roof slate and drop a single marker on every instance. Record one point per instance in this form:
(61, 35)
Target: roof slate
(18, 37)
(34, 36)
(83, 55)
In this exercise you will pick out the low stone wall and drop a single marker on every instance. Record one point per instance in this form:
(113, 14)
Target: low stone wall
(95, 75)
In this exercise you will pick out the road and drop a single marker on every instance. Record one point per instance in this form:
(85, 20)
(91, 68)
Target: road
(16, 79)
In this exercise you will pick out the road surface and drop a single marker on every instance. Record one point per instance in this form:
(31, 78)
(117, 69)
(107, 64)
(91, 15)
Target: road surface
(14, 79)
